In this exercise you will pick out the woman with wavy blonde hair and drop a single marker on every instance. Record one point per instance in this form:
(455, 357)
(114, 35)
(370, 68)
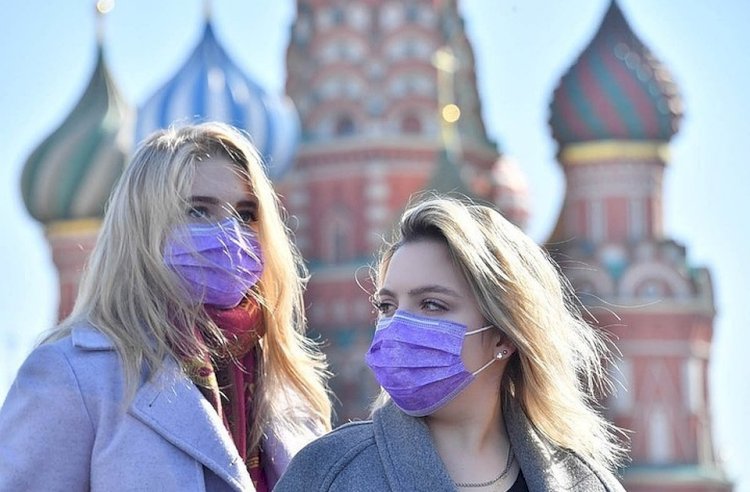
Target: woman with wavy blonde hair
(184, 364)
(489, 373)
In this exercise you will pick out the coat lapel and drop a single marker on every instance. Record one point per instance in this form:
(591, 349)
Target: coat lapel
(406, 450)
(172, 406)
(548, 467)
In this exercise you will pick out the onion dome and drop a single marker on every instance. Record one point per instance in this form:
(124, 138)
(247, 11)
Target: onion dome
(616, 90)
(71, 173)
(210, 86)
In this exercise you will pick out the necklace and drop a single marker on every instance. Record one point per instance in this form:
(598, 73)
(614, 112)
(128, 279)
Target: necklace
(494, 480)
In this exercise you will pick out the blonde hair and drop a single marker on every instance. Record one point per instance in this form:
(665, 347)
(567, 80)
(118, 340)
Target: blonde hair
(130, 295)
(556, 373)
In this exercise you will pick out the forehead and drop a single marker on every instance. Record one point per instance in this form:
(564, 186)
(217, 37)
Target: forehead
(221, 177)
(421, 263)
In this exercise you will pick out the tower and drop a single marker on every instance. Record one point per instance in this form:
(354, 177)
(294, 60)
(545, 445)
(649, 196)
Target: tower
(613, 114)
(67, 179)
(370, 79)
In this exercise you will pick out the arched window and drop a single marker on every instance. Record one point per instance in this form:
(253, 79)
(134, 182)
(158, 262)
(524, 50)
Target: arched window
(339, 237)
(653, 288)
(412, 13)
(344, 125)
(660, 435)
(339, 244)
(411, 124)
(338, 16)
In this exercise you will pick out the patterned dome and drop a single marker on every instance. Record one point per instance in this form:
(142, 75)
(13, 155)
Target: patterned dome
(615, 90)
(209, 86)
(71, 174)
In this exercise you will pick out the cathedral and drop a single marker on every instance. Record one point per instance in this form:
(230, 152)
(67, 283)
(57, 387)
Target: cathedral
(381, 103)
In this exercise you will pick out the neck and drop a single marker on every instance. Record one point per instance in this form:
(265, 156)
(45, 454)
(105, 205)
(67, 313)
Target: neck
(470, 427)
(470, 436)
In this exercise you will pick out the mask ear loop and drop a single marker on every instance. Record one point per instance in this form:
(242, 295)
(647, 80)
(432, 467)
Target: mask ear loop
(497, 357)
(478, 330)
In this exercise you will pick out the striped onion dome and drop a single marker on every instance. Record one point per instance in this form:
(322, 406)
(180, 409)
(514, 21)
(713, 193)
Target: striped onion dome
(210, 86)
(616, 90)
(71, 173)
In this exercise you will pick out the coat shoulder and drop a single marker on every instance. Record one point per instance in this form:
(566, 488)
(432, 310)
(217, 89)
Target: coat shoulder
(87, 352)
(320, 463)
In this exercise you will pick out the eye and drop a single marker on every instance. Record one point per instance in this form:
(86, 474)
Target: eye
(248, 215)
(384, 308)
(198, 212)
(433, 306)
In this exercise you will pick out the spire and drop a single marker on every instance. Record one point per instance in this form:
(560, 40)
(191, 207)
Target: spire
(446, 64)
(447, 175)
(207, 10)
(103, 7)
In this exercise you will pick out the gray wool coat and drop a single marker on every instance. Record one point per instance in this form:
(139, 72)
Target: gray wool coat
(64, 426)
(394, 452)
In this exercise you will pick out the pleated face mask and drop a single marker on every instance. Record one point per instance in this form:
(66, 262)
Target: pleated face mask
(219, 263)
(417, 361)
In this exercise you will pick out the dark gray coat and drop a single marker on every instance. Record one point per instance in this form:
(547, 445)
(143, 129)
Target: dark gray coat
(395, 452)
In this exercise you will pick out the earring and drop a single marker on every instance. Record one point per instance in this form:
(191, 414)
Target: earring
(505, 352)
(499, 356)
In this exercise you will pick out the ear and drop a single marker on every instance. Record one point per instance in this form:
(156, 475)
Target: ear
(504, 348)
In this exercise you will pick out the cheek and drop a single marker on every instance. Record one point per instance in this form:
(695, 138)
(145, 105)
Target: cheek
(476, 351)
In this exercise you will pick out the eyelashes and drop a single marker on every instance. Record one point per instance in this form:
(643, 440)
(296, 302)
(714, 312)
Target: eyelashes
(429, 306)
(209, 213)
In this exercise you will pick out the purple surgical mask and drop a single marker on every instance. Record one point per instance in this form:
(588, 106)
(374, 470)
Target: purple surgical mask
(417, 361)
(218, 262)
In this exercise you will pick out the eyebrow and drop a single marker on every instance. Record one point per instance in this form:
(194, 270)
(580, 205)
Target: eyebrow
(214, 201)
(427, 289)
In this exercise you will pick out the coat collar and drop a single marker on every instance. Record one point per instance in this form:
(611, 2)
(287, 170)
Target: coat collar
(549, 467)
(87, 337)
(406, 450)
(172, 406)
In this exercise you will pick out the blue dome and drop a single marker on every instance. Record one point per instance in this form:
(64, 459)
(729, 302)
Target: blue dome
(209, 86)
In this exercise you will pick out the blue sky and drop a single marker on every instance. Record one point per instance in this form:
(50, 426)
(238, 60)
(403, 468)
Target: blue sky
(522, 49)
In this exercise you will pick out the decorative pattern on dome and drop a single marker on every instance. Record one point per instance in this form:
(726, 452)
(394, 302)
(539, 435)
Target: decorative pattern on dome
(616, 89)
(209, 86)
(70, 175)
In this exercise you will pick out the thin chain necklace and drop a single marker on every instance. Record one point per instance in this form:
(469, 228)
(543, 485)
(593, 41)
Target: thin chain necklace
(502, 475)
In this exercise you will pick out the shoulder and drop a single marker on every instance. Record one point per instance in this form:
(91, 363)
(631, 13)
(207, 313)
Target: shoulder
(84, 350)
(67, 350)
(338, 446)
(46, 408)
(321, 462)
(82, 363)
(82, 338)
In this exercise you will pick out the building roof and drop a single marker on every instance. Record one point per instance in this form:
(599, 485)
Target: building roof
(616, 89)
(210, 86)
(71, 173)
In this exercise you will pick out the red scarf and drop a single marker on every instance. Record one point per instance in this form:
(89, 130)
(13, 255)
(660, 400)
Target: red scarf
(227, 380)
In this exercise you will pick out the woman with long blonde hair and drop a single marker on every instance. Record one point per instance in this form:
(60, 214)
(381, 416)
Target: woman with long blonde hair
(489, 373)
(184, 364)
